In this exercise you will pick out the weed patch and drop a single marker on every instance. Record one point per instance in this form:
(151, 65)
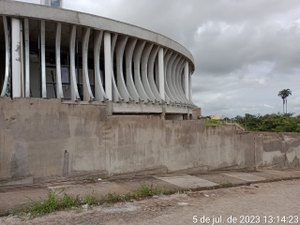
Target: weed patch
(54, 202)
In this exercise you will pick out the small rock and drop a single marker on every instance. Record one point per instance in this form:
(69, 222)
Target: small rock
(155, 196)
(99, 179)
(183, 204)
(206, 195)
(86, 206)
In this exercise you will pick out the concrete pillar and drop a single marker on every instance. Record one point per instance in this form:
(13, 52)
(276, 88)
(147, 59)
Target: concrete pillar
(120, 48)
(129, 74)
(87, 91)
(137, 71)
(187, 81)
(99, 90)
(108, 65)
(190, 87)
(161, 74)
(144, 71)
(151, 68)
(27, 59)
(59, 89)
(5, 90)
(43, 60)
(116, 96)
(17, 59)
(74, 88)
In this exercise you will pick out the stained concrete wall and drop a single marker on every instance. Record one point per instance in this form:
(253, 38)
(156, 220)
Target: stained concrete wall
(46, 138)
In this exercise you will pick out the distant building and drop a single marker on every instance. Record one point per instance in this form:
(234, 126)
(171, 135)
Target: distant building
(196, 113)
(215, 117)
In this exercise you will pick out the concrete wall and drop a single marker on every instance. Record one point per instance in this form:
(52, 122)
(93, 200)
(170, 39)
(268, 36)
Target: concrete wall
(45, 138)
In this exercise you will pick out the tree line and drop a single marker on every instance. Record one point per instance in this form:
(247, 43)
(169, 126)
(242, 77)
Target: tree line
(285, 122)
(270, 122)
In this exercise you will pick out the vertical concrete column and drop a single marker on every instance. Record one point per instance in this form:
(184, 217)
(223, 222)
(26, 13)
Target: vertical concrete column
(151, 68)
(120, 48)
(179, 80)
(87, 91)
(137, 71)
(129, 74)
(99, 90)
(43, 60)
(27, 59)
(16, 48)
(108, 65)
(144, 72)
(116, 96)
(168, 96)
(74, 88)
(190, 87)
(169, 77)
(161, 74)
(187, 81)
(5, 90)
(59, 89)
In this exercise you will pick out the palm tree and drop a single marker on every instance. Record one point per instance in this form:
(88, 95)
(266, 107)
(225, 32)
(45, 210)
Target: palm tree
(284, 94)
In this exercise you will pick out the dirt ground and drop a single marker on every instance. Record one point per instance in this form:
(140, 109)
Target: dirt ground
(268, 203)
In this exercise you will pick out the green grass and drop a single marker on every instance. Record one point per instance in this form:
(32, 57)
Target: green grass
(212, 123)
(91, 200)
(54, 202)
(148, 191)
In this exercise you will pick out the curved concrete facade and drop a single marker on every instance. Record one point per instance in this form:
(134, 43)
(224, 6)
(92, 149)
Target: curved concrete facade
(56, 53)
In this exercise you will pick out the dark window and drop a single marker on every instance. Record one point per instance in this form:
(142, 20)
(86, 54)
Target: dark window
(56, 3)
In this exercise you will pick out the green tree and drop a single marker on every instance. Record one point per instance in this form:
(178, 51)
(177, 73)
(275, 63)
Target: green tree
(284, 94)
(270, 122)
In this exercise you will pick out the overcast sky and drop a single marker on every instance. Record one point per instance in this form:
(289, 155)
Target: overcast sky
(245, 51)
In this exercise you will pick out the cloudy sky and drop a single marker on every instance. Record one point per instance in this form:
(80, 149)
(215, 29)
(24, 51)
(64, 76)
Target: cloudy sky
(245, 51)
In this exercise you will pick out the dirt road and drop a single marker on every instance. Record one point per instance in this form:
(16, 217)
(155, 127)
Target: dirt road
(270, 203)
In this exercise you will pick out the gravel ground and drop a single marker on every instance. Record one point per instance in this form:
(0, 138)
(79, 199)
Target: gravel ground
(269, 203)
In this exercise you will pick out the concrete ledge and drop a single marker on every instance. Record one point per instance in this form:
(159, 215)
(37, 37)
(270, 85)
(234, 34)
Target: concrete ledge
(144, 108)
(136, 108)
(177, 110)
(18, 182)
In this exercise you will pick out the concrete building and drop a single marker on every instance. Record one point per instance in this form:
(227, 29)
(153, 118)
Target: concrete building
(66, 81)
(50, 52)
